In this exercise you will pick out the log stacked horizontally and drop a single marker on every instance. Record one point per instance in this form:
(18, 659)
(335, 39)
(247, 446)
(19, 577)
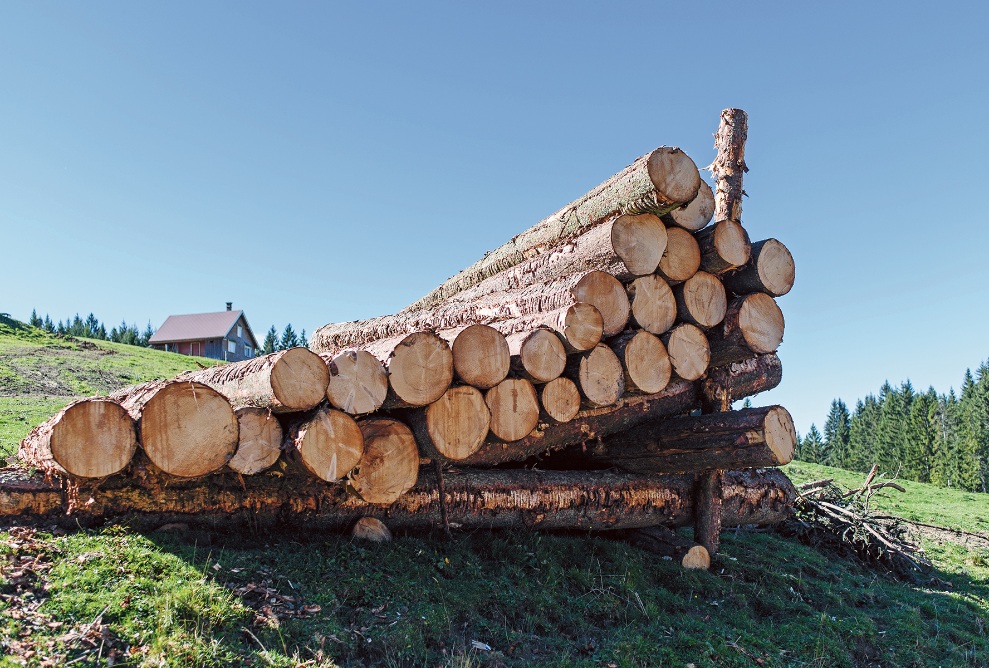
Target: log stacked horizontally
(615, 334)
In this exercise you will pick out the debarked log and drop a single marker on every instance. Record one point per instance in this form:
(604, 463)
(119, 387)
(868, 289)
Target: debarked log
(474, 499)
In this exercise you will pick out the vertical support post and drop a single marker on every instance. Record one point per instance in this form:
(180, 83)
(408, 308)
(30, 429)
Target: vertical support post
(727, 169)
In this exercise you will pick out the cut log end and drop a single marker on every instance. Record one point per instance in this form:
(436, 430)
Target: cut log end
(761, 322)
(330, 444)
(457, 423)
(702, 300)
(188, 429)
(683, 256)
(607, 294)
(420, 368)
(781, 435)
(371, 529)
(600, 376)
(390, 465)
(654, 306)
(358, 382)
(480, 356)
(674, 175)
(698, 213)
(581, 326)
(561, 399)
(93, 438)
(260, 441)
(639, 241)
(697, 558)
(770, 270)
(514, 408)
(647, 364)
(541, 355)
(689, 351)
(299, 378)
(724, 247)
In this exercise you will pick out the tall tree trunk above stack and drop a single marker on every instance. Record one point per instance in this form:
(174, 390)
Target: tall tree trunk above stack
(187, 429)
(729, 166)
(90, 438)
(655, 183)
(286, 381)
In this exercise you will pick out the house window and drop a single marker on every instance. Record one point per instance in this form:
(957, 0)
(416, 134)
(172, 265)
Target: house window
(247, 350)
(231, 346)
(240, 332)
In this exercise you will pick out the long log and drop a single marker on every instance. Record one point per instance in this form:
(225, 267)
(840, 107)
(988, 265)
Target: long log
(753, 324)
(770, 270)
(749, 438)
(358, 382)
(283, 382)
(697, 214)
(89, 438)
(186, 429)
(452, 427)
(579, 325)
(679, 397)
(514, 409)
(474, 499)
(599, 376)
(260, 441)
(419, 365)
(656, 183)
(690, 353)
(328, 443)
(389, 466)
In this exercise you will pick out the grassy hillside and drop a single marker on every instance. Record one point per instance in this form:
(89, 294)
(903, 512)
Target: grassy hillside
(181, 597)
(40, 373)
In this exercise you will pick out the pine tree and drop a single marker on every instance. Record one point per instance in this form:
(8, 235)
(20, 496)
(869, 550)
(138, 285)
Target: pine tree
(77, 328)
(837, 434)
(270, 344)
(149, 331)
(289, 338)
(49, 326)
(971, 433)
(944, 464)
(812, 448)
(90, 326)
(747, 403)
(921, 436)
(303, 341)
(862, 430)
(35, 321)
(61, 329)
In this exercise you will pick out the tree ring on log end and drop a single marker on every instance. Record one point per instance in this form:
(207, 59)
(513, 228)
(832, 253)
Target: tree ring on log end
(331, 444)
(640, 241)
(583, 326)
(561, 399)
(732, 243)
(390, 465)
(689, 351)
(601, 376)
(654, 308)
(188, 429)
(94, 438)
(358, 382)
(607, 294)
(647, 363)
(514, 408)
(421, 368)
(480, 356)
(299, 378)
(698, 213)
(776, 268)
(543, 356)
(674, 174)
(683, 255)
(458, 422)
(259, 443)
(781, 435)
(761, 322)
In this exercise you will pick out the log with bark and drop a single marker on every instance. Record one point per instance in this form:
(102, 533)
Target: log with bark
(452, 427)
(729, 166)
(654, 306)
(645, 361)
(753, 324)
(667, 543)
(284, 382)
(260, 441)
(747, 378)
(358, 382)
(770, 270)
(749, 438)
(538, 356)
(682, 258)
(655, 183)
(560, 400)
(579, 325)
(328, 443)
(186, 429)
(723, 246)
(474, 499)
(701, 300)
(697, 214)
(89, 438)
(389, 466)
(419, 365)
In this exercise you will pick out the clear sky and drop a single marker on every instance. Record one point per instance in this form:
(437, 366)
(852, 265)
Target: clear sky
(318, 162)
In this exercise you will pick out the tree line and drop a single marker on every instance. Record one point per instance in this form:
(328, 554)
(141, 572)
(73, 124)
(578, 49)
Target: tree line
(941, 439)
(288, 339)
(92, 328)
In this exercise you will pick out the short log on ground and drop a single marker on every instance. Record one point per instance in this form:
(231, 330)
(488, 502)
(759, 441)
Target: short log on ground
(474, 499)
(666, 543)
(770, 270)
(328, 443)
(260, 442)
(187, 429)
(283, 382)
(90, 438)
(390, 464)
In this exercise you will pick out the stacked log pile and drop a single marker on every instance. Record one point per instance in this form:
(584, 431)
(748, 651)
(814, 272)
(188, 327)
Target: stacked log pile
(580, 376)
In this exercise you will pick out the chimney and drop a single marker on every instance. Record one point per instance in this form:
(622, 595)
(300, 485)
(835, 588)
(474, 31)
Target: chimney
(230, 306)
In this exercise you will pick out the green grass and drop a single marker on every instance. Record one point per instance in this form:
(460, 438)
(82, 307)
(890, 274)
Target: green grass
(40, 373)
(192, 598)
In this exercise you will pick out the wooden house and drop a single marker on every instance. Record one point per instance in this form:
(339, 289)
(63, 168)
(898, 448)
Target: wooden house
(224, 335)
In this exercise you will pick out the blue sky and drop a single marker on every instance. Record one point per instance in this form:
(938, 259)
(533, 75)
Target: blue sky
(318, 162)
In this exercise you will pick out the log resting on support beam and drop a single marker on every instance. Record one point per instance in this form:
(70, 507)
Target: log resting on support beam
(475, 499)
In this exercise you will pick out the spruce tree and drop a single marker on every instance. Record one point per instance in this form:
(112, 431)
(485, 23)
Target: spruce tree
(837, 434)
(813, 446)
(919, 447)
(971, 433)
(149, 331)
(289, 338)
(862, 429)
(303, 341)
(35, 321)
(48, 325)
(944, 464)
(270, 344)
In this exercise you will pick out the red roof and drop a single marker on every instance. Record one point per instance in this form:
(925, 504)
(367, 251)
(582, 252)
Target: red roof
(197, 326)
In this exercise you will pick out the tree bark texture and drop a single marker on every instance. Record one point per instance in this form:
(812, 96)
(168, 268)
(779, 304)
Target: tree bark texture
(656, 183)
(474, 499)
(283, 382)
(89, 438)
(729, 165)
(749, 438)
(709, 515)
